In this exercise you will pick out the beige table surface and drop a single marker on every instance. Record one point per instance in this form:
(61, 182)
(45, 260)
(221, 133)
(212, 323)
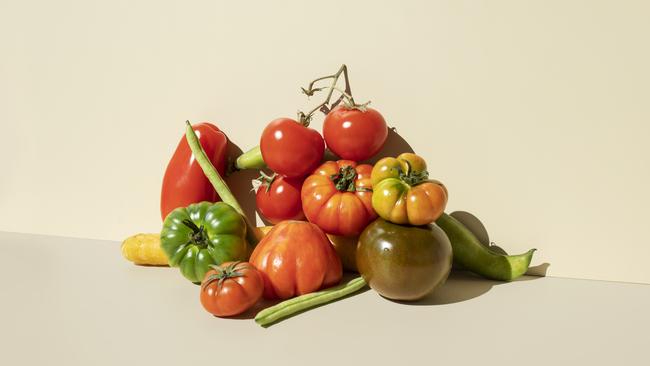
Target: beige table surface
(77, 302)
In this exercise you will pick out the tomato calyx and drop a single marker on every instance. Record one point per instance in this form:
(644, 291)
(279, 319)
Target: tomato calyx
(264, 181)
(198, 236)
(223, 274)
(344, 180)
(413, 178)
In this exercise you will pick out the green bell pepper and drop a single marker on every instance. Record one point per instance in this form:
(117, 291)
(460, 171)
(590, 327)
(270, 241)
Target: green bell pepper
(202, 234)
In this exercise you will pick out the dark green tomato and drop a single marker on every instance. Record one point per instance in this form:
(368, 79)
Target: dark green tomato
(403, 262)
(202, 234)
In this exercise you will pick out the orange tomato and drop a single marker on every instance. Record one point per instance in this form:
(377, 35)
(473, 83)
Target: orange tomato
(338, 197)
(231, 288)
(296, 258)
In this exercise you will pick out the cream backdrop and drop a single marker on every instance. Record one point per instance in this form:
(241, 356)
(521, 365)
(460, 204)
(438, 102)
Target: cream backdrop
(534, 113)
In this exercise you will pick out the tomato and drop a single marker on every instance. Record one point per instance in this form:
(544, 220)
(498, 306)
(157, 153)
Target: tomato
(403, 262)
(296, 258)
(291, 149)
(354, 134)
(338, 197)
(403, 192)
(278, 198)
(184, 182)
(231, 288)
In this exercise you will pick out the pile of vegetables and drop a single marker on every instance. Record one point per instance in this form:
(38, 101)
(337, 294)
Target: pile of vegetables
(386, 221)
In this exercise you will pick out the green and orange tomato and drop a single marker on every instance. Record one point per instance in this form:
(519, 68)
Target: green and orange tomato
(403, 192)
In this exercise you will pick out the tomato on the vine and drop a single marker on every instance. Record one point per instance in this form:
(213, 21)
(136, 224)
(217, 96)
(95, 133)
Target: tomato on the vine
(355, 133)
(338, 197)
(290, 148)
(231, 288)
(278, 198)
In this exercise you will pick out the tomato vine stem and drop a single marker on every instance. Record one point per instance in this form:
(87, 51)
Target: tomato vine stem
(326, 106)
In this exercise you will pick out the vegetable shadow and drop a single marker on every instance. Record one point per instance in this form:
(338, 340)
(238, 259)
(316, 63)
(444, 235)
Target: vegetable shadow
(395, 145)
(239, 182)
(460, 286)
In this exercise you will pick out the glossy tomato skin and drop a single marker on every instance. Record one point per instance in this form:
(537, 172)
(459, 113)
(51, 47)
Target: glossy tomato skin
(184, 182)
(337, 212)
(353, 134)
(236, 294)
(403, 262)
(296, 258)
(281, 200)
(291, 149)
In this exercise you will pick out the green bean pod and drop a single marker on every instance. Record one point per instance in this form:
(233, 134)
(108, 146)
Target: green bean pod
(476, 257)
(289, 307)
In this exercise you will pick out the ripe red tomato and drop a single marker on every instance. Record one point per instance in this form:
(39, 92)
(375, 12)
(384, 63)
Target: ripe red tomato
(338, 197)
(231, 288)
(291, 149)
(184, 182)
(296, 258)
(353, 134)
(279, 199)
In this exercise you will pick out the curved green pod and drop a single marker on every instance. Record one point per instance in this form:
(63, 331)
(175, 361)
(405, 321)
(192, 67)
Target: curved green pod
(476, 257)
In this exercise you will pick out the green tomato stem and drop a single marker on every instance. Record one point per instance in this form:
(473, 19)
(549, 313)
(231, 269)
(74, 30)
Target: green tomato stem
(287, 308)
(253, 235)
(251, 159)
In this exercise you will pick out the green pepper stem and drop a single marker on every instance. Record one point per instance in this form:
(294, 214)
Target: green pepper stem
(287, 308)
(251, 159)
(253, 235)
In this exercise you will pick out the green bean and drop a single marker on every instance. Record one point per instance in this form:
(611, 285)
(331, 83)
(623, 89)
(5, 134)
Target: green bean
(476, 257)
(289, 307)
(253, 234)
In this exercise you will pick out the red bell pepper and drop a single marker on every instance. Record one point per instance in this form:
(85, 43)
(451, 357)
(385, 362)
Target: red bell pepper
(184, 182)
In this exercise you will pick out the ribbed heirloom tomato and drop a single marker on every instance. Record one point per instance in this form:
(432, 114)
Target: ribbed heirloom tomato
(338, 197)
(403, 192)
(231, 288)
(296, 258)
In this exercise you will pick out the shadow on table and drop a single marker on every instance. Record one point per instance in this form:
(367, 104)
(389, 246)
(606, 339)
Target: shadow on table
(461, 286)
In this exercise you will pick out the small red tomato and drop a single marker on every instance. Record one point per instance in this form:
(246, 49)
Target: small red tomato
(278, 198)
(353, 134)
(338, 197)
(291, 149)
(231, 288)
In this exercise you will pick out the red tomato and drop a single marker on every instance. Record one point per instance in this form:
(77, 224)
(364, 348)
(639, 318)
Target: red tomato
(291, 149)
(353, 134)
(338, 197)
(279, 199)
(184, 182)
(296, 258)
(231, 288)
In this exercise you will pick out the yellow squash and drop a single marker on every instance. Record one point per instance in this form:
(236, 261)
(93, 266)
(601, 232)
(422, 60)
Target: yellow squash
(144, 249)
